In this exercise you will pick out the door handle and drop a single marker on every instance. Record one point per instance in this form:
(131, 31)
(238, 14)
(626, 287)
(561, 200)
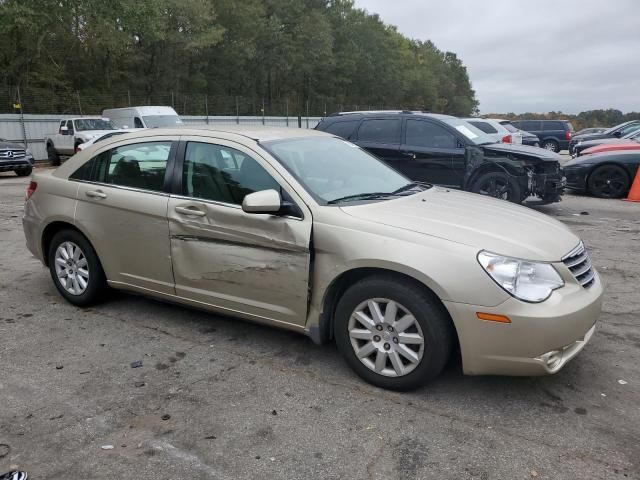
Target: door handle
(409, 154)
(190, 211)
(95, 194)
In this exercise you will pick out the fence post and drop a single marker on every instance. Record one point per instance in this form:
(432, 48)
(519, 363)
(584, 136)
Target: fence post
(262, 111)
(24, 131)
(237, 112)
(287, 109)
(307, 113)
(129, 97)
(172, 100)
(206, 109)
(79, 104)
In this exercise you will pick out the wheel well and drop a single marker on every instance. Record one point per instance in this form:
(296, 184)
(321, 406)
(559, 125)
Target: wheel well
(348, 278)
(49, 231)
(490, 167)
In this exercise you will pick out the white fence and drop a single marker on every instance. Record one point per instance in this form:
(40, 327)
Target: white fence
(31, 130)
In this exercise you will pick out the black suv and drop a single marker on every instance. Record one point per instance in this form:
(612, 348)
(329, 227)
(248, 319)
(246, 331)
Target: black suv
(449, 151)
(554, 135)
(618, 131)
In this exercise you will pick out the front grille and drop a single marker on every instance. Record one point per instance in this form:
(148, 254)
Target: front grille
(579, 263)
(12, 154)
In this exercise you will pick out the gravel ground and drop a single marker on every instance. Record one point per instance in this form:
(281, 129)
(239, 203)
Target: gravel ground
(219, 398)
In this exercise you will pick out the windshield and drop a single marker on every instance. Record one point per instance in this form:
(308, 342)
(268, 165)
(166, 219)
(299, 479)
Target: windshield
(155, 121)
(92, 124)
(473, 134)
(336, 171)
(510, 127)
(108, 135)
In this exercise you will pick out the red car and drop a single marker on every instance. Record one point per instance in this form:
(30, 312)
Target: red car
(632, 145)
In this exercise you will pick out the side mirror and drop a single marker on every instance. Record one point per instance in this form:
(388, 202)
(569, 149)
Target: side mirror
(265, 201)
(617, 134)
(64, 130)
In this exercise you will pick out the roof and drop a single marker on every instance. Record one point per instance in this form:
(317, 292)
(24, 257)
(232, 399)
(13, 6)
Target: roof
(366, 113)
(258, 133)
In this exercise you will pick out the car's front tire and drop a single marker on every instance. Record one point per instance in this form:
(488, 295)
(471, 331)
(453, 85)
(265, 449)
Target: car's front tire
(52, 155)
(75, 268)
(608, 181)
(393, 332)
(23, 172)
(498, 185)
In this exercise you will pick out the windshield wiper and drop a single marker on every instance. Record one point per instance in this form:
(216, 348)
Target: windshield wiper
(410, 186)
(361, 196)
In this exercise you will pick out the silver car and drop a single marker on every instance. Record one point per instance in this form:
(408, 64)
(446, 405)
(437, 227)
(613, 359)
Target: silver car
(303, 230)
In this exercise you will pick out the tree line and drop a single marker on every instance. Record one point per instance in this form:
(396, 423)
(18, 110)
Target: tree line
(324, 52)
(591, 118)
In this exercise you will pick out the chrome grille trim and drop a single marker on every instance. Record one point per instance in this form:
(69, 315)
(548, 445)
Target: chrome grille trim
(579, 263)
(11, 154)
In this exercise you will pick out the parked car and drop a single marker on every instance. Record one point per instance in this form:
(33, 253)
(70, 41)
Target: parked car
(618, 131)
(527, 138)
(604, 175)
(302, 230)
(630, 142)
(71, 133)
(499, 133)
(582, 145)
(449, 151)
(554, 134)
(15, 158)
(142, 117)
(90, 143)
(587, 131)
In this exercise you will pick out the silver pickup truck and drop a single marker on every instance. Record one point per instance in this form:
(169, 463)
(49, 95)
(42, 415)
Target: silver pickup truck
(73, 132)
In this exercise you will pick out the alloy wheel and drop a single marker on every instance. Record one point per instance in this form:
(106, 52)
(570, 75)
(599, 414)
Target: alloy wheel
(72, 268)
(609, 182)
(386, 337)
(496, 187)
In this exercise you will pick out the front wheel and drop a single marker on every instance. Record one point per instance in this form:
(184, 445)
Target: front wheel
(23, 172)
(608, 181)
(498, 185)
(392, 332)
(75, 268)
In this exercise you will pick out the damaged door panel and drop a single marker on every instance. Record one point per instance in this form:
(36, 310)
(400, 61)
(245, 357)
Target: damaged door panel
(254, 264)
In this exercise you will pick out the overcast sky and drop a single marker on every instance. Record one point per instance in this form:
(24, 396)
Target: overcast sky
(533, 56)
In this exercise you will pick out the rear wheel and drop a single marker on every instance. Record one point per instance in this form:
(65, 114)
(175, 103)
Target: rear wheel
(52, 155)
(392, 333)
(23, 172)
(608, 181)
(498, 185)
(75, 268)
(551, 145)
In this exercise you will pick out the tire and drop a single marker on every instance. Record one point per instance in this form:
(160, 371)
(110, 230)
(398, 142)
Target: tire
(551, 145)
(96, 284)
(23, 172)
(52, 155)
(608, 181)
(432, 324)
(498, 185)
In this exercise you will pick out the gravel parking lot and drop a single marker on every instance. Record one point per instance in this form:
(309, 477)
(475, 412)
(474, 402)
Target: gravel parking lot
(219, 398)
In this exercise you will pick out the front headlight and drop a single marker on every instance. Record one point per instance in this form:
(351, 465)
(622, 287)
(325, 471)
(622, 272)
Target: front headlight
(528, 281)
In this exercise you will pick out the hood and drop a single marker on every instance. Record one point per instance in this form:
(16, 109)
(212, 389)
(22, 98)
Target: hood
(11, 145)
(527, 134)
(591, 136)
(89, 134)
(475, 220)
(602, 141)
(526, 150)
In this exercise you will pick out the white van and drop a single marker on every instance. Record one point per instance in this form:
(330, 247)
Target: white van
(142, 117)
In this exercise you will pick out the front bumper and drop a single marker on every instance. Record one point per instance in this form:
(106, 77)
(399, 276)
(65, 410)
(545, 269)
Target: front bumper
(548, 186)
(10, 165)
(540, 339)
(577, 177)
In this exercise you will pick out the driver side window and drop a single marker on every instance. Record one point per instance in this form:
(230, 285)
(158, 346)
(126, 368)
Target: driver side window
(222, 174)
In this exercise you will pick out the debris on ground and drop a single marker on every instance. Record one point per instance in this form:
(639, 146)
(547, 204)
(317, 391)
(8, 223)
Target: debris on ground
(166, 416)
(584, 213)
(59, 367)
(274, 412)
(107, 447)
(622, 382)
(139, 384)
(136, 364)
(4, 450)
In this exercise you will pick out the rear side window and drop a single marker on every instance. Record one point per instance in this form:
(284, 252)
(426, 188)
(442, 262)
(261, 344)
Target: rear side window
(484, 126)
(554, 126)
(427, 134)
(343, 129)
(629, 129)
(509, 127)
(528, 125)
(141, 165)
(380, 131)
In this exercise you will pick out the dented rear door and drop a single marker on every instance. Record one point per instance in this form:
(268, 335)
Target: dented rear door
(253, 264)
